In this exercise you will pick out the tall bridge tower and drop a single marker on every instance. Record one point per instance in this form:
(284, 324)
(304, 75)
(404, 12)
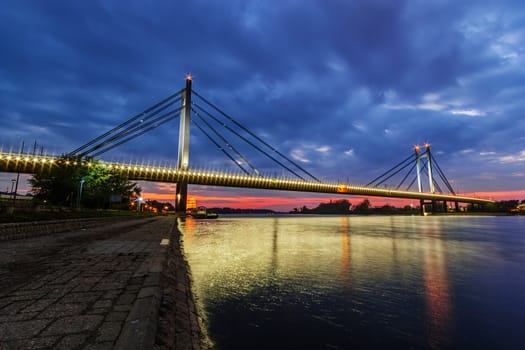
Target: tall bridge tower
(183, 158)
(430, 178)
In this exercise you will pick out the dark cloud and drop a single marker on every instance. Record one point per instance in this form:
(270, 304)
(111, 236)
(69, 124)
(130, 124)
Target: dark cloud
(346, 88)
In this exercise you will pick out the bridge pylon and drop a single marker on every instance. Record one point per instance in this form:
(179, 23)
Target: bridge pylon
(431, 181)
(419, 168)
(183, 157)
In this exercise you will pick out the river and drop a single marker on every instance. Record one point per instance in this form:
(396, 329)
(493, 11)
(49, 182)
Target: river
(328, 282)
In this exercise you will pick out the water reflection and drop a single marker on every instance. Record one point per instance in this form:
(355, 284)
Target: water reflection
(274, 260)
(437, 292)
(346, 257)
(354, 282)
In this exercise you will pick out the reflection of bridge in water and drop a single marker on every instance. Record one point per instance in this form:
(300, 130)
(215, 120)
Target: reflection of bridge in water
(248, 176)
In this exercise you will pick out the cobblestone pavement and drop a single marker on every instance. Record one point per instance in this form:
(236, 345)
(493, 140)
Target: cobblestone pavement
(96, 288)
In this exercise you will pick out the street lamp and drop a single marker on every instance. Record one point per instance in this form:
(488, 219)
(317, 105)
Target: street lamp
(139, 202)
(81, 184)
(12, 187)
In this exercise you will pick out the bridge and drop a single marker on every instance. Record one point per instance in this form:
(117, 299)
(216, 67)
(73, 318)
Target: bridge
(248, 176)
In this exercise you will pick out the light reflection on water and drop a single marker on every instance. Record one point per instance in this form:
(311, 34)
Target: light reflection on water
(375, 282)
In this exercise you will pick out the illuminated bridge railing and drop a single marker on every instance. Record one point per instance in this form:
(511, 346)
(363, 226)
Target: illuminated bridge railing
(34, 164)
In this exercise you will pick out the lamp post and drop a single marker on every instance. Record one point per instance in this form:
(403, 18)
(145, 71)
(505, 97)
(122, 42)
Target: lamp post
(81, 184)
(139, 204)
(12, 187)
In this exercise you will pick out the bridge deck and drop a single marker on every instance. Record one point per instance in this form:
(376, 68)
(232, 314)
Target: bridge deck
(33, 164)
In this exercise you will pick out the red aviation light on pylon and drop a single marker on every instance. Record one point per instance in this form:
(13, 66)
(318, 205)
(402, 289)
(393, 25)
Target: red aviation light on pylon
(188, 76)
(416, 148)
(427, 145)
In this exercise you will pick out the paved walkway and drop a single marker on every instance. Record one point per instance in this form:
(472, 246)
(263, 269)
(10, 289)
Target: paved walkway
(93, 288)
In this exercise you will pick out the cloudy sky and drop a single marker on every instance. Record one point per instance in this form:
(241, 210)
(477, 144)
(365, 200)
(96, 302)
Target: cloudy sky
(345, 88)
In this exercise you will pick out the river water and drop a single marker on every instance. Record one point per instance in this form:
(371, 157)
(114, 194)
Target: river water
(318, 282)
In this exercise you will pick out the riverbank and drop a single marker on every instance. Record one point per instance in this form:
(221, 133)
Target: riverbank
(17, 215)
(118, 284)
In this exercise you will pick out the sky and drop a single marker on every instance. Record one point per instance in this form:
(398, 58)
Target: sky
(344, 88)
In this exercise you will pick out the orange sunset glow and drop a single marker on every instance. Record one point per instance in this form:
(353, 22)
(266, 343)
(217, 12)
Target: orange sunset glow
(264, 199)
(285, 201)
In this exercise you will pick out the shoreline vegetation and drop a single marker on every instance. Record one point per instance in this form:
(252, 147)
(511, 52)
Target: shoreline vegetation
(337, 207)
(344, 207)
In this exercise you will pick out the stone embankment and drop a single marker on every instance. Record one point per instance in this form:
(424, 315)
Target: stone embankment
(21, 230)
(96, 284)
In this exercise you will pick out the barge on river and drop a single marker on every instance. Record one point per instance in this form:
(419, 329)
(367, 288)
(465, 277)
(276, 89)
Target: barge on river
(203, 213)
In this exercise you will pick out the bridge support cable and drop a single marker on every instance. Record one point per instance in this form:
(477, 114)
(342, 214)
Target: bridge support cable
(251, 143)
(410, 171)
(220, 147)
(122, 125)
(134, 130)
(412, 183)
(434, 165)
(273, 149)
(391, 175)
(226, 142)
(434, 182)
(442, 176)
(141, 131)
(425, 164)
(402, 163)
(133, 127)
(424, 170)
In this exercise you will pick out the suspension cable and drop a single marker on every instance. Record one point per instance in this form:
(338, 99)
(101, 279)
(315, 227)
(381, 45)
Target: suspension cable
(249, 142)
(220, 148)
(436, 185)
(133, 126)
(412, 182)
(406, 176)
(131, 129)
(134, 136)
(389, 170)
(394, 173)
(225, 141)
(257, 138)
(98, 138)
(442, 175)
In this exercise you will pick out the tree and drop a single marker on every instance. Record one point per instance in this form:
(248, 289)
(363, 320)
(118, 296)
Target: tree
(62, 185)
(362, 207)
(58, 186)
(101, 183)
(159, 207)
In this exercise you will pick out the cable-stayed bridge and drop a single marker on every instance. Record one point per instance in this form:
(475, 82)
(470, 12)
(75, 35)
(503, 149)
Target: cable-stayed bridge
(208, 119)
